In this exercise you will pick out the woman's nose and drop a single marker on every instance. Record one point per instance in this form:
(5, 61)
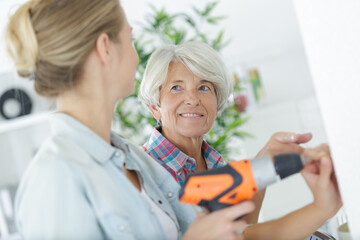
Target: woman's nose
(192, 99)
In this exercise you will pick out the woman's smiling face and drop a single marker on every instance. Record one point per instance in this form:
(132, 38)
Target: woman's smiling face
(188, 104)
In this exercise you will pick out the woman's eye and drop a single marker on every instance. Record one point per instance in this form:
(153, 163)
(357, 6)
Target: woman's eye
(176, 88)
(204, 88)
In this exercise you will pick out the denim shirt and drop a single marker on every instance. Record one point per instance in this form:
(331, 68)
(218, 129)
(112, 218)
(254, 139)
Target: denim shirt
(75, 188)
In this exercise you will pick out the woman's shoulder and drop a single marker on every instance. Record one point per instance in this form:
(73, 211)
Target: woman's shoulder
(50, 190)
(147, 163)
(58, 150)
(57, 159)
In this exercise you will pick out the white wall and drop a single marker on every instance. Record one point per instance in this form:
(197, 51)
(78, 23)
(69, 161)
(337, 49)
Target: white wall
(19, 141)
(293, 116)
(331, 33)
(266, 37)
(264, 34)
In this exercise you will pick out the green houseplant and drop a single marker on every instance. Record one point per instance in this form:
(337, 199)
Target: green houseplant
(132, 118)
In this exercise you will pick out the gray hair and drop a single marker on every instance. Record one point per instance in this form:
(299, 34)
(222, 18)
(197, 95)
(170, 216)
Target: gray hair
(202, 60)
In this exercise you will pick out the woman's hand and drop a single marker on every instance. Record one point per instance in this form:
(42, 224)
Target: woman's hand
(280, 142)
(284, 142)
(220, 224)
(320, 177)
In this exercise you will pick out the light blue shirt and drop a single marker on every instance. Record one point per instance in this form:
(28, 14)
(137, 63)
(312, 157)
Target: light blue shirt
(75, 188)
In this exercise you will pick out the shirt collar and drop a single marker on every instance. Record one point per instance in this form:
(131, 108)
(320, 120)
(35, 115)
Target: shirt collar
(176, 159)
(65, 125)
(169, 154)
(212, 157)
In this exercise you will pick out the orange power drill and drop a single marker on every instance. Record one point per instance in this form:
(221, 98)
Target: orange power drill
(238, 181)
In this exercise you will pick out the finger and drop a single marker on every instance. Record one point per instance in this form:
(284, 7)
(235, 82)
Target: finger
(238, 210)
(325, 171)
(334, 180)
(285, 137)
(238, 227)
(323, 148)
(313, 154)
(310, 167)
(303, 138)
(290, 137)
(317, 152)
(284, 148)
(202, 214)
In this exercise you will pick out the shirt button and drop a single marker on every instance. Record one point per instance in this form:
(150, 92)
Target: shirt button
(152, 211)
(117, 154)
(170, 194)
(121, 228)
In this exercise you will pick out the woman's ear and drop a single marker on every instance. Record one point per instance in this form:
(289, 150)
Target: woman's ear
(102, 48)
(155, 110)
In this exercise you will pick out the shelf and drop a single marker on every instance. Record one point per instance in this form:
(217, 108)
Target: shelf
(22, 122)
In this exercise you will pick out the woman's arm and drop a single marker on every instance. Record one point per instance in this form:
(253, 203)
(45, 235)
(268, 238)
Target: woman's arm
(296, 225)
(280, 142)
(253, 217)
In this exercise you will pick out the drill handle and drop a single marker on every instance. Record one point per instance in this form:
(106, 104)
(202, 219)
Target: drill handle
(215, 205)
(221, 187)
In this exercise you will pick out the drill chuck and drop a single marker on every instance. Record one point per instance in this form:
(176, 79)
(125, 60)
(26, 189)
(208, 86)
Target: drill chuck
(263, 171)
(288, 164)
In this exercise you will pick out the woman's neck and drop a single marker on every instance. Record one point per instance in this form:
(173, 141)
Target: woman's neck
(191, 146)
(90, 108)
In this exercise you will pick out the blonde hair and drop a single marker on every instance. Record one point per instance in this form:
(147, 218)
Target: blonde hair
(49, 40)
(198, 57)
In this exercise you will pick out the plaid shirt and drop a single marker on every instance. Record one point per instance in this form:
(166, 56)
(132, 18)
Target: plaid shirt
(175, 161)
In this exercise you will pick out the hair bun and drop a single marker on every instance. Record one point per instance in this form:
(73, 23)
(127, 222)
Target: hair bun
(21, 41)
(50, 41)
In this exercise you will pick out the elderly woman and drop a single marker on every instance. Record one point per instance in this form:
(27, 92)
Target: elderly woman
(185, 86)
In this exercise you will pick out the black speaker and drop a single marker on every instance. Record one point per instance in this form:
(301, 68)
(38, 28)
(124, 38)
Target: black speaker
(14, 103)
